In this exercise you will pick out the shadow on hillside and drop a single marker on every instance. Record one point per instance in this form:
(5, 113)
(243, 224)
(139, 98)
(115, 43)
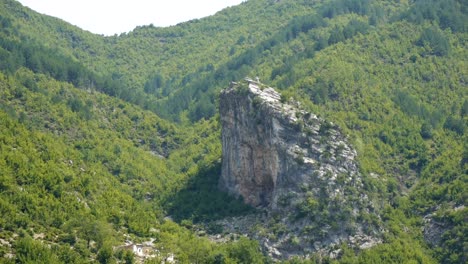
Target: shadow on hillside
(201, 200)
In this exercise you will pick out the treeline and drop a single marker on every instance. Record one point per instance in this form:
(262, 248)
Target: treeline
(18, 51)
(193, 95)
(453, 120)
(82, 181)
(451, 14)
(198, 90)
(390, 74)
(339, 7)
(401, 94)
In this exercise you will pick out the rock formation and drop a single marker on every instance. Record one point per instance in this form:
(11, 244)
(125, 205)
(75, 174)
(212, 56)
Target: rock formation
(298, 167)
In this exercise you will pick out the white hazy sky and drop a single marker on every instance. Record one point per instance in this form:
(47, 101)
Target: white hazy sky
(110, 17)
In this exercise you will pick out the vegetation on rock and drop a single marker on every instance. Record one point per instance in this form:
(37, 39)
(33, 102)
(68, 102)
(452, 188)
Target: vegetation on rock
(101, 138)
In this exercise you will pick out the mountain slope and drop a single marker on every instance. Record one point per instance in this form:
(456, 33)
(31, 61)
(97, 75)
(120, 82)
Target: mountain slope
(147, 52)
(75, 161)
(391, 74)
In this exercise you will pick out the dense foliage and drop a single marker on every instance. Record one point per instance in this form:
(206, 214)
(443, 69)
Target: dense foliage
(102, 137)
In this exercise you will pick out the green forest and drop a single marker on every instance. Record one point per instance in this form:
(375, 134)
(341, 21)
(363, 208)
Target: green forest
(105, 139)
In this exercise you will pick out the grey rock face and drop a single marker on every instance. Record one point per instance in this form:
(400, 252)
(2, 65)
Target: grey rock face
(296, 166)
(435, 227)
(270, 146)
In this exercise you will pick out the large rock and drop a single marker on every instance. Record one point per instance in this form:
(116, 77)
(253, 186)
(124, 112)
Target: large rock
(298, 167)
(270, 146)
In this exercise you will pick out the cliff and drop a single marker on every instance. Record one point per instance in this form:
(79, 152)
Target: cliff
(298, 167)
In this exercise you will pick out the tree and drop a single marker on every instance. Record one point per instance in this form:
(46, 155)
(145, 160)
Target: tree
(104, 255)
(464, 109)
(336, 36)
(30, 251)
(155, 83)
(455, 124)
(246, 251)
(435, 40)
(426, 130)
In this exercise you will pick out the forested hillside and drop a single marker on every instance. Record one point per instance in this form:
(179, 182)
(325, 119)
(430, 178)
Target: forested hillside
(102, 138)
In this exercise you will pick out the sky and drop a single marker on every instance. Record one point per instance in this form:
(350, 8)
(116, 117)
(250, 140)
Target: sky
(109, 17)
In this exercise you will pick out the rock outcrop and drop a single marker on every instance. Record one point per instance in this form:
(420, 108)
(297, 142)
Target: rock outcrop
(299, 168)
(436, 226)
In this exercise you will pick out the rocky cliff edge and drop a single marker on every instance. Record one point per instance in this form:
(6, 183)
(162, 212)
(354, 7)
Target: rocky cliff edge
(297, 167)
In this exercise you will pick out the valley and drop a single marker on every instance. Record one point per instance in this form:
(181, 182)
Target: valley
(351, 147)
